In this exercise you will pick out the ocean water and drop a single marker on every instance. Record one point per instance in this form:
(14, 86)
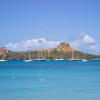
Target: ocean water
(50, 80)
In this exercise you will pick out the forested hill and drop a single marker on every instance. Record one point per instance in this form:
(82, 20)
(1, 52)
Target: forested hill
(62, 51)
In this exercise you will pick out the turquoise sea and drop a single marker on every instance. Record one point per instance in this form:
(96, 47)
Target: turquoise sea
(50, 80)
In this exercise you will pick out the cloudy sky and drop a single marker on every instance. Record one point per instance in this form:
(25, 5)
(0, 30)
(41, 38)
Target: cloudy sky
(44, 23)
(83, 42)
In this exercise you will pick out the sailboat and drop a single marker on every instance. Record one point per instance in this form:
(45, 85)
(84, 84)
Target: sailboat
(29, 59)
(5, 51)
(73, 57)
(3, 59)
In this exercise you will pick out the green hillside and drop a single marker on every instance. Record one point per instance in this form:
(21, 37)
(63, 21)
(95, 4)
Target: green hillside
(62, 51)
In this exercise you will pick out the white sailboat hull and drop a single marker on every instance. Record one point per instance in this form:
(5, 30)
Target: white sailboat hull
(30, 60)
(2, 60)
(84, 60)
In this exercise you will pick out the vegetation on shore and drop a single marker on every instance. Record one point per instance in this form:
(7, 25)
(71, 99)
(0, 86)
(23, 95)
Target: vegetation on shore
(62, 51)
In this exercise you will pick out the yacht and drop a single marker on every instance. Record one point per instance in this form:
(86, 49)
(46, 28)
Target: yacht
(59, 59)
(29, 59)
(73, 57)
(84, 60)
(2, 60)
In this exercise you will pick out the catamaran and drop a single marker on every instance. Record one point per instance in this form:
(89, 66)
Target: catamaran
(29, 59)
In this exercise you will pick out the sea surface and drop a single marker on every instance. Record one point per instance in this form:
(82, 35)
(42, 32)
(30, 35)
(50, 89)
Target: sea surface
(50, 80)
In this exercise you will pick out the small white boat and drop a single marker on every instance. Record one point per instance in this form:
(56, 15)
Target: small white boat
(28, 60)
(84, 60)
(2, 60)
(74, 59)
(61, 59)
(72, 56)
(58, 59)
(41, 59)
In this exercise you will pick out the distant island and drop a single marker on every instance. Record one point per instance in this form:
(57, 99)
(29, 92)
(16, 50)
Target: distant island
(62, 51)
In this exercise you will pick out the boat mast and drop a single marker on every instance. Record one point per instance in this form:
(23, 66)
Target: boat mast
(72, 55)
(29, 55)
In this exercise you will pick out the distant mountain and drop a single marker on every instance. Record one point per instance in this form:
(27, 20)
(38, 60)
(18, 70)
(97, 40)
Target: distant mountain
(62, 47)
(65, 47)
(62, 51)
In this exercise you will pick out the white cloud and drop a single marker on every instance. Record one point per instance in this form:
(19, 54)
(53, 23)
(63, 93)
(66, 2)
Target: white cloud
(95, 47)
(31, 44)
(83, 38)
(86, 43)
(87, 39)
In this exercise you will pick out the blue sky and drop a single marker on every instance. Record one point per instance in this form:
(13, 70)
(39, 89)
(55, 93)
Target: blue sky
(51, 19)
